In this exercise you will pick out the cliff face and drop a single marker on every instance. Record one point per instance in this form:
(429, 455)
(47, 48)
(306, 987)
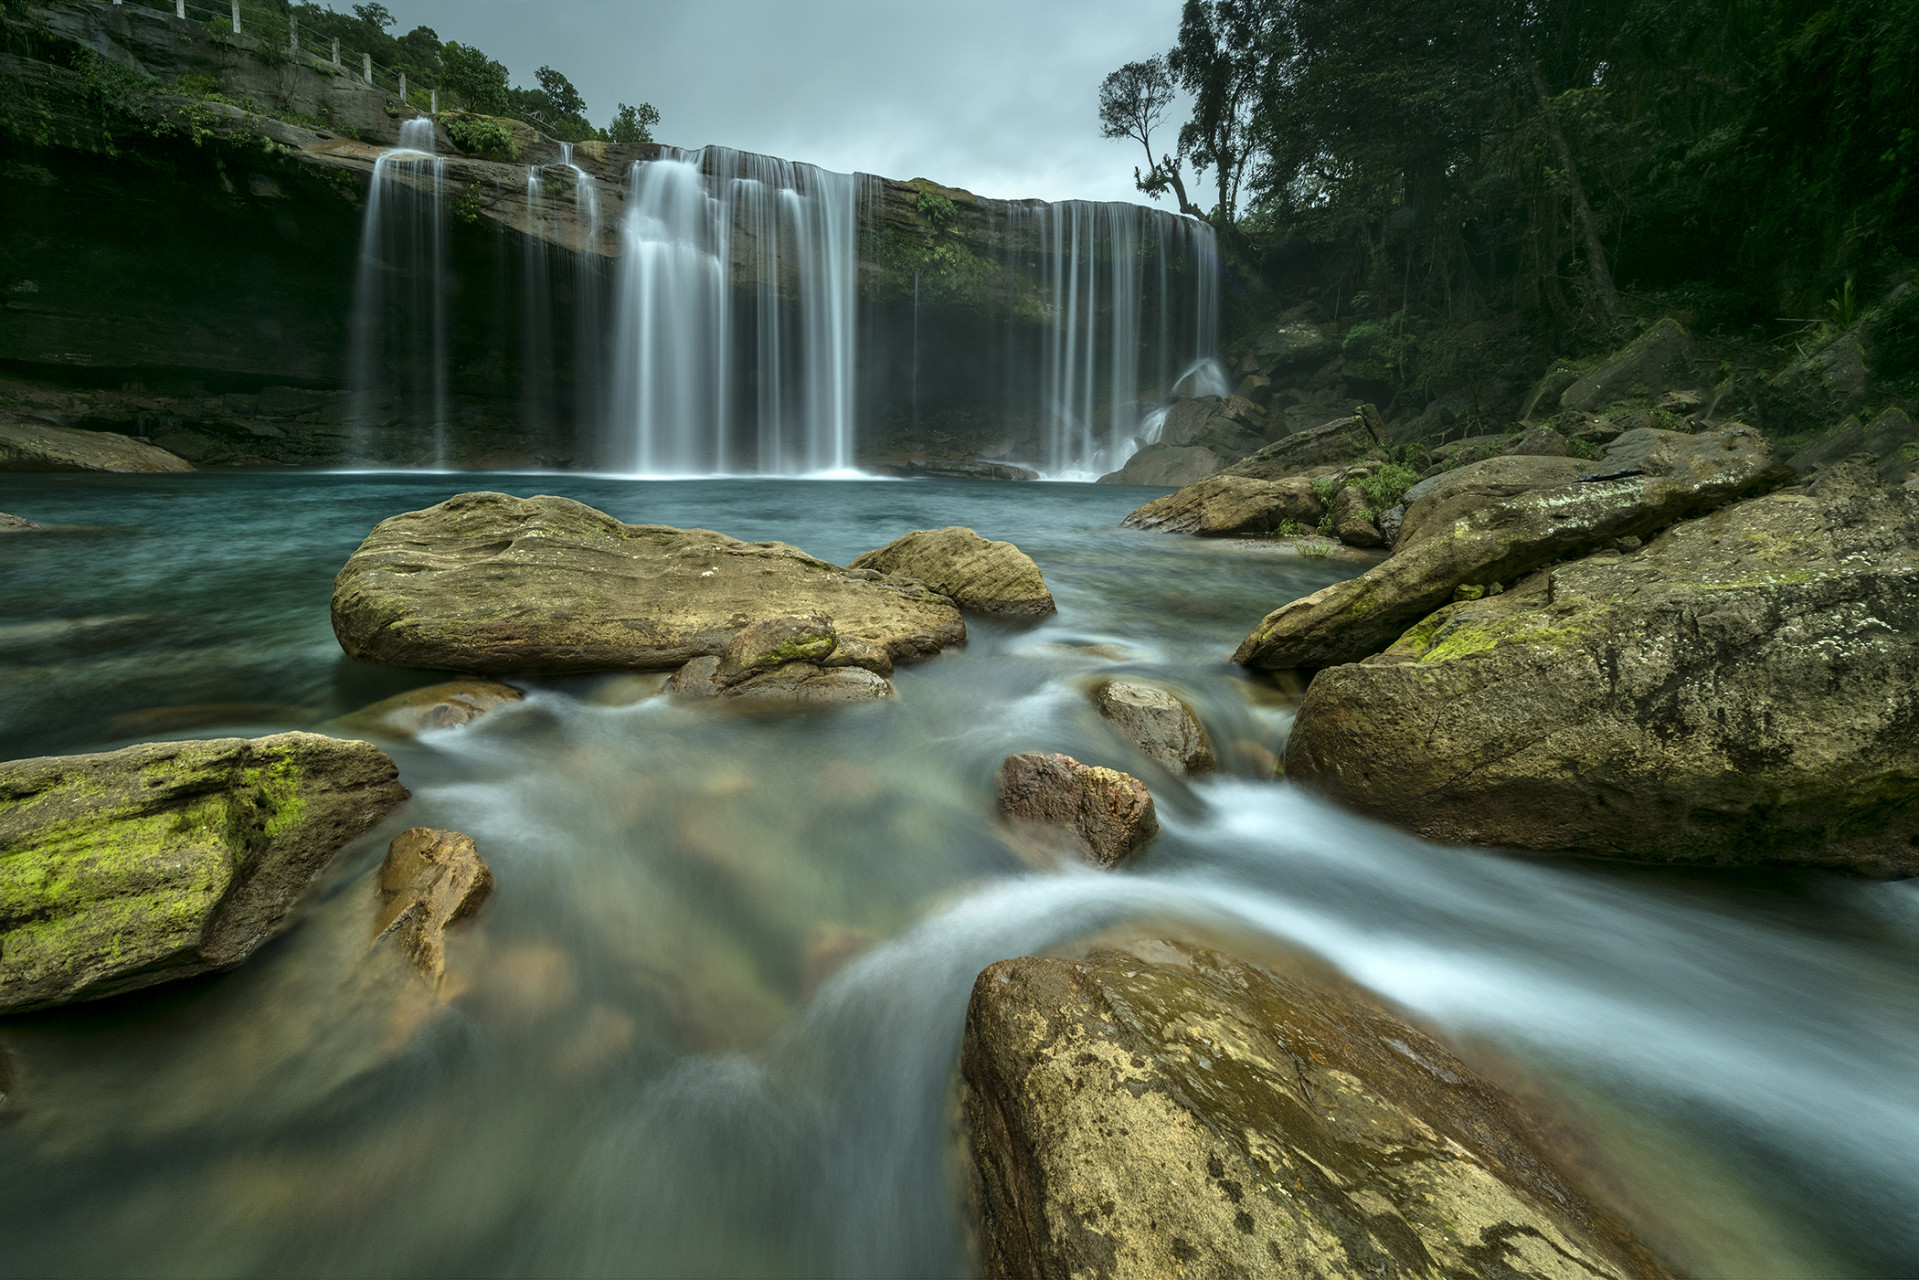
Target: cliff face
(184, 222)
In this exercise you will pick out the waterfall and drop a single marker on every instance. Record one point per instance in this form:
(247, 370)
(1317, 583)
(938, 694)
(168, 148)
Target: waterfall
(682, 350)
(397, 362)
(1096, 272)
(537, 373)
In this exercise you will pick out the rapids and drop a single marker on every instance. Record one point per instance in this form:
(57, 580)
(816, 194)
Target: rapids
(709, 1021)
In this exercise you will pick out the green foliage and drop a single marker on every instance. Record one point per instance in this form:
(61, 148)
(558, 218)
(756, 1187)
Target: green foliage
(1291, 528)
(482, 136)
(1326, 524)
(633, 125)
(1585, 449)
(1894, 335)
(472, 79)
(1324, 487)
(1385, 487)
(936, 209)
(374, 15)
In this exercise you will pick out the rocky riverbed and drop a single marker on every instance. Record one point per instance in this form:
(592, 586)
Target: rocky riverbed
(661, 983)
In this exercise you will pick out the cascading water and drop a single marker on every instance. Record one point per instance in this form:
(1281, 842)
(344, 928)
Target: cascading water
(683, 352)
(397, 364)
(1089, 265)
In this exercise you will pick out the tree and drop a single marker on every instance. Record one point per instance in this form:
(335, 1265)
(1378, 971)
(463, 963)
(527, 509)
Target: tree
(634, 124)
(374, 15)
(559, 91)
(1132, 103)
(1227, 52)
(477, 80)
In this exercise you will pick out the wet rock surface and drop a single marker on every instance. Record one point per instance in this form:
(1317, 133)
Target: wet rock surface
(26, 445)
(1227, 506)
(1103, 814)
(1742, 690)
(429, 880)
(1648, 480)
(489, 583)
(1157, 722)
(132, 867)
(975, 573)
(1166, 1110)
(14, 524)
(448, 705)
(789, 659)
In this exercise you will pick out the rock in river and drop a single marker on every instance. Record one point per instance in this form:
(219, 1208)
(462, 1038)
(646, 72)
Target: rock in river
(14, 524)
(1158, 723)
(430, 879)
(160, 861)
(1648, 480)
(1231, 506)
(790, 660)
(978, 575)
(488, 583)
(1744, 689)
(26, 445)
(1103, 813)
(1168, 1111)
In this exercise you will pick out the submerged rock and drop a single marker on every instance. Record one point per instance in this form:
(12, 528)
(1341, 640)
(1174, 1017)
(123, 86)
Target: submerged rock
(1103, 813)
(1742, 690)
(1648, 480)
(973, 572)
(1158, 723)
(430, 879)
(14, 524)
(1230, 506)
(488, 583)
(436, 706)
(1169, 1111)
(26, 445)
(155, 862)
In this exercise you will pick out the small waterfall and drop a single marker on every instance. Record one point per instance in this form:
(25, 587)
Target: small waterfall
(397, 364)
(695, 221)
(1100, 273)
(537, 373)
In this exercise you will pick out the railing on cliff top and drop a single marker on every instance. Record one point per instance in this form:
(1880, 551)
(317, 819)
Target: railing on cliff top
(269, 28)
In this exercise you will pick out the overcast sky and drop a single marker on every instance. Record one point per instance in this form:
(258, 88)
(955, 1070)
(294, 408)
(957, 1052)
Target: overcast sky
(998, 97)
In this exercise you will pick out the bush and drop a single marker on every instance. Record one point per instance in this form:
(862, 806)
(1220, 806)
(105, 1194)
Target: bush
(633, 125)
(475, 79)
(481, 136)
(1385, 487)
(1290, 528)
(1324, 487)
(936, 209)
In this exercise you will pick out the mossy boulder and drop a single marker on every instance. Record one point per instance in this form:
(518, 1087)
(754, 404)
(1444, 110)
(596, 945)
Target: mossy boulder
(1101, 814)
(1336, 443)
(977, 574)
(1891, 440)
(1742, 690)
(1648, 480)
(1165, 1110)
(793, 660)
(1433, 505)
(132, 867)
(487, 583)
(1658, 360)
(26, 445)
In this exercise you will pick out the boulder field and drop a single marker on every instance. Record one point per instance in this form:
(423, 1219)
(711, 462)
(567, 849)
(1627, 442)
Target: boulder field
(1168, 1111)
(1742, 689)
(128, 868)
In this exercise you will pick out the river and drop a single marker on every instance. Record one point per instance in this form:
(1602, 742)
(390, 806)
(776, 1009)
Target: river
(708, 1023)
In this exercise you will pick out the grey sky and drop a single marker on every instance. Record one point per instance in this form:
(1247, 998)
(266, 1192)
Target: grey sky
(995, 96)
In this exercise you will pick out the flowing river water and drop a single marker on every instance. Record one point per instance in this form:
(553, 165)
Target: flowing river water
(708, 1023)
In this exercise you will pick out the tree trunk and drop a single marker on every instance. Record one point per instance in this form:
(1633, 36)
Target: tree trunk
(1602, 283)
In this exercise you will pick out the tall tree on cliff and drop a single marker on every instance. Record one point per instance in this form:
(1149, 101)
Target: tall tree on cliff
(1132, 104)
(1228, 56)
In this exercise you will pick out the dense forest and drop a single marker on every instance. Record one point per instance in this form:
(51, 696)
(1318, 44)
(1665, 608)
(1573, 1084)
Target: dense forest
(1465, 181)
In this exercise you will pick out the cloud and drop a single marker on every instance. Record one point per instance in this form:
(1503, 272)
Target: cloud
(997, 97)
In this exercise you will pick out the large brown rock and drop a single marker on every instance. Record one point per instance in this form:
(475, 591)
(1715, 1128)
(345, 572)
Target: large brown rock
(488, 583)
(1226, 506)
(797, 660)
(1169, 1111)
(429, 880)
(1103, 813)
(975, 573)
(156, 862)
(1745, 689)
(1158, 723)
(1336, 443)
(1433, 505)
(26, 445)
(1352, 518)
(1658, 360)
(14, 524)
(1648, 480)
(1166, 465)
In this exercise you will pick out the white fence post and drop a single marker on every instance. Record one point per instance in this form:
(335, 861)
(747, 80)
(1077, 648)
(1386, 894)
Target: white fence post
(293, 35)
(336, 49)
(236, 17)
(366, 66)
(434, 109)
(180, 9)
(403, 88)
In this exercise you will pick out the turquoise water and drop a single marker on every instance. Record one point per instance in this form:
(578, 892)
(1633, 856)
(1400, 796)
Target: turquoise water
(709, 1020)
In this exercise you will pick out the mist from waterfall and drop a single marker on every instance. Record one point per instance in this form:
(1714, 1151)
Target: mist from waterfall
(397, 358)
